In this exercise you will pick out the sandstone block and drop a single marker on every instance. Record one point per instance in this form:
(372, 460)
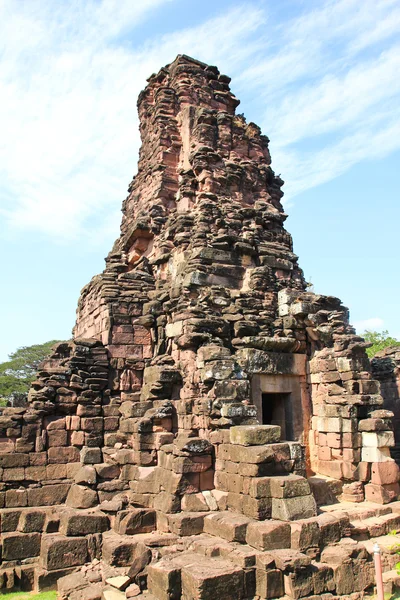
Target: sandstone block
(331, 528)
(86, 475)
(63, 455)
(119, 551)
(209, 578)
(136, 520)
(304, 534)
(10, 461)
(18, 546)
(186, 523)
(192, 464)
(14, 498)
(286, 559)
(164, 580)
(167, 503)
(91, 456)
(77, 523)
(255, 435)
(382, 494)
(289, 486)
(141, 558)
(226, 525)
(60, 552)
(257, 508)
(268, 535)
(384, 473)
(32, 521)
(197, 502)
(375, 455)
(45, 580)
(269, 584)
(290, 509)
(48, 495)
(9, 520)
(323, 578)
(378, 439)
(254, 454)
(299, 583)
(80, 496)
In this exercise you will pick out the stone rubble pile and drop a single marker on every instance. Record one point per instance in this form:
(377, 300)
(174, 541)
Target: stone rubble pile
(190, 439)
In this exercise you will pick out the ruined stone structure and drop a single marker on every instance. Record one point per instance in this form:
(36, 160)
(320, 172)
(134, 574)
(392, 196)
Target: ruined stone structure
(386, 369)
(207, 403)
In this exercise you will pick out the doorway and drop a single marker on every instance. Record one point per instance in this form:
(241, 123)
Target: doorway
(277, 410)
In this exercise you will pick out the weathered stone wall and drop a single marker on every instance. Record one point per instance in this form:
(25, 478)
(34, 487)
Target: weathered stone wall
(386, 369)
(149, 417)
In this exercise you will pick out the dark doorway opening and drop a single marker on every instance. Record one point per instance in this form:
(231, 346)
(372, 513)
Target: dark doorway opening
(277, 410)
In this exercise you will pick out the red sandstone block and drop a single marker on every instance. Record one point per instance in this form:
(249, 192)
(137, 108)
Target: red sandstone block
(17, 546)
(268, 535)
(37, 458)
(9, 461)
(141, 335)
(351, 455)
(351, 440)
(122, 338)
(92, 424)
(334, 440)
(324, 453)
(384, 473)
(123, 351)
(48, 495)
(333, 468)
(349, 470)
(16, 474)
(60, 552)
(77, 438)
(207, 480)
(382, 494)
(36, 473)
(363, 471)
(57, 437)
(72, 422)
(16, 498)
(56, 471)
(53, 423)
(63, 455)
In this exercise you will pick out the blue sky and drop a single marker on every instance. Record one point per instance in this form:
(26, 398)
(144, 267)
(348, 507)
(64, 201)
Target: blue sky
(320, 77)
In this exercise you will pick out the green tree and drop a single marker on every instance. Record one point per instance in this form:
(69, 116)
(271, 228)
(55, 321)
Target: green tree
(379, 340)
(17, 373)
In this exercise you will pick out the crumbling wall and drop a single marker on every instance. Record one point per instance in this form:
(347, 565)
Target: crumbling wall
(386, 369)
(151, 413)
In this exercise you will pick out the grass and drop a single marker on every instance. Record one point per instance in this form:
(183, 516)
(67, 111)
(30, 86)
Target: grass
(29, 596)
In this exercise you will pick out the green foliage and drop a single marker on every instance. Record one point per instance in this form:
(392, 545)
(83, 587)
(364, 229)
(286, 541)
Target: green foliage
(379, 340)
(17, 373)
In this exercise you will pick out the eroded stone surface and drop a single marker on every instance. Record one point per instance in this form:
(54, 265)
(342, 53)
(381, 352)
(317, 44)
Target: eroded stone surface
(168, 443)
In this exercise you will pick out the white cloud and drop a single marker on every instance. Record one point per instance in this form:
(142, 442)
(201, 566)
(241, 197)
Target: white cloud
(372, 324)
(68, 120)
(70, 74)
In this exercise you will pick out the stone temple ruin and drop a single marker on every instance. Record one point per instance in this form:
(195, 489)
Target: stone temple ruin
(213, 430)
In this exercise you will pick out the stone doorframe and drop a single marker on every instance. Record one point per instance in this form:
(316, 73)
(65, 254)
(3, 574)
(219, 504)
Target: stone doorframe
(280, 373)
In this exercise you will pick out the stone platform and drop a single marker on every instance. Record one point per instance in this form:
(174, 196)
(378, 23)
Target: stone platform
(203, 555)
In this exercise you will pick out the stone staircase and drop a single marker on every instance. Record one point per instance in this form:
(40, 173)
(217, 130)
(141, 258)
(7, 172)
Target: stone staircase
(215, 554)
(233, 556)
(258, 535)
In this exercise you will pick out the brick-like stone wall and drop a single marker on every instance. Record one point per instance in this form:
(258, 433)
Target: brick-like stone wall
(200, 316)
(386, 369)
